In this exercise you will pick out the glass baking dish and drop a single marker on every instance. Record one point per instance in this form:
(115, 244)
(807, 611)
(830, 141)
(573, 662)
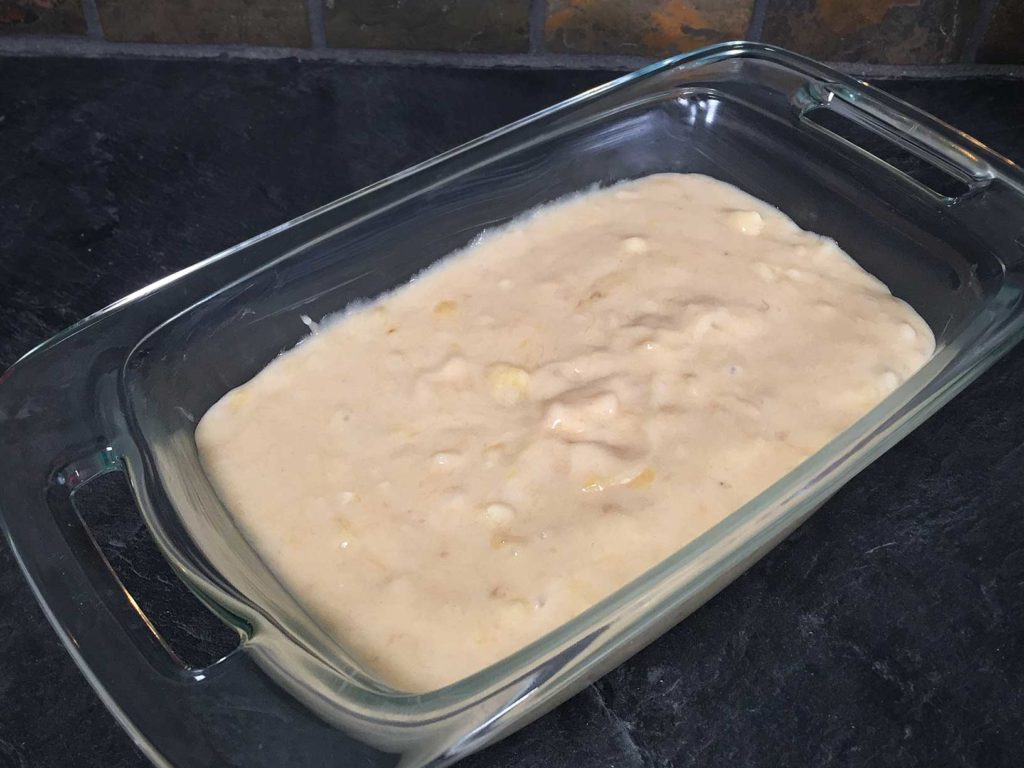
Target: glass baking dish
(122, 390)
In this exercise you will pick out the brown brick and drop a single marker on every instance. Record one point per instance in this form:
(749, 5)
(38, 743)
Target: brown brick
(256, 22)
(643, 27)
(43, 17)
(877, 31)
(498, 26)
(1004, 40)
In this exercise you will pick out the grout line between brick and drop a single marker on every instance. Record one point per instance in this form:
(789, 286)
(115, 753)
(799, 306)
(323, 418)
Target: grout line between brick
(73, 47)
(317, 31)
(538, 15)
(927, 71)
(39, 45)
(977, 35)
(93, 27)
(755, 31)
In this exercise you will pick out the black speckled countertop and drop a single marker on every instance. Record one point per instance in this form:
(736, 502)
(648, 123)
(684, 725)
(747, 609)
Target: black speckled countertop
(889, 630)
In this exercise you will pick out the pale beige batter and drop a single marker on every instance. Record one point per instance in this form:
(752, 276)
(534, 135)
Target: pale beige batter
(448, 473)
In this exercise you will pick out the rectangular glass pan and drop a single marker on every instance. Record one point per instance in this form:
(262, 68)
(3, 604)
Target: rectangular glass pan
(122, 390)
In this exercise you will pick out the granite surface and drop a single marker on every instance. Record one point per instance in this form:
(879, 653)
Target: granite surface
(887, 631)
(879, 31)
(1003, 42)
(643, 27)
(253, 22)
(499, 26)
(42, 17)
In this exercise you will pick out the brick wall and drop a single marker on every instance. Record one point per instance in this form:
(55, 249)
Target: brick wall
(902, 32)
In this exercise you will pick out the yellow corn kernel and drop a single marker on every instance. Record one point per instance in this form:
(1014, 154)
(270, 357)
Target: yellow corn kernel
(644, 479)
(446, 308)
(238, 400)
(508, 384)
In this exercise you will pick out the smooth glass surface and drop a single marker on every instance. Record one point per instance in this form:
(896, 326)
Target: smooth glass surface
(124, 389)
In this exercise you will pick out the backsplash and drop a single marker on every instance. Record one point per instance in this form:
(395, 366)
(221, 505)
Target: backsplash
(900, 32)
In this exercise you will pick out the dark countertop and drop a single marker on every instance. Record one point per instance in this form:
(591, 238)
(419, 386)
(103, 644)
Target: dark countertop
(889, 630)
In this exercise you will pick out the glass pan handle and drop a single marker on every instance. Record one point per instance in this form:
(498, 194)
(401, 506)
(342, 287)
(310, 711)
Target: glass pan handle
(228, 714)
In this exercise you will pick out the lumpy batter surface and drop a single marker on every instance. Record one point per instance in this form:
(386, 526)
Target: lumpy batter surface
(451, 471)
